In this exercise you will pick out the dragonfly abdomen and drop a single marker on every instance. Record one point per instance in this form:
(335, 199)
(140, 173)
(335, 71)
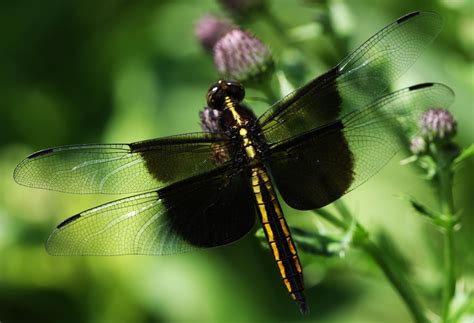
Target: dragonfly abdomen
(278, 236)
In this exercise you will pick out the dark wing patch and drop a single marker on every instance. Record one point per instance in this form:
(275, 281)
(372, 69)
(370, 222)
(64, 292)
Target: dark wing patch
(209, 210)
(304, 170)
(123, 168)
(318, 167)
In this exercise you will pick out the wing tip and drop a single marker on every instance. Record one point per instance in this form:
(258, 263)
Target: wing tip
(68, 221)
(51, 245)
(51, 248)
(408, 16)
(446, 88)
(16, 172)
(17, 176)
(420, 86)
(40, 153)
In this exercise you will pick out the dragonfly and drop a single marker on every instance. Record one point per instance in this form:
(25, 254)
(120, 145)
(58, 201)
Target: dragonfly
(206, 189)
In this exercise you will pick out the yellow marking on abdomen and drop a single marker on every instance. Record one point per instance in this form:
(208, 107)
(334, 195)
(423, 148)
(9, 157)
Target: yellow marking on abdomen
(291, 246)
(258, 197)
(297, 263)
(250, 152)
(287, 284)
(255, 183)
(263, 213)
(286, 232)
(276, 253)
(269, 232)
(277, 209)
(281, 267)
(277, 231)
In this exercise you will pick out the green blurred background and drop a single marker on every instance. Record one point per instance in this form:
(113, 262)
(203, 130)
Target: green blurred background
(83, 71)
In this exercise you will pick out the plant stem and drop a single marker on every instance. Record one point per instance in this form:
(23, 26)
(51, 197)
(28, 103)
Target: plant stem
(331, 218)
(398, 281)
(343, 210)
(450, 278)
(447, 207)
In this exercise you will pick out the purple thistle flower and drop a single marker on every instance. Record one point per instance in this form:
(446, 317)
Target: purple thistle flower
(243, 8)
(210, 119)
(240, 56)
(437, 123)
(418, 145)
(209, 29)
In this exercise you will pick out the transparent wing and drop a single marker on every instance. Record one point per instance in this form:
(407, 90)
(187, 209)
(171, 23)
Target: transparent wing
(318, 167)
(210, 210)
(123, 168)
(358, 80)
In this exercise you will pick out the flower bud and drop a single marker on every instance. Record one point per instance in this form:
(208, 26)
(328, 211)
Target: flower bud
(240, 56)
(438, 124)
(209, 29)
(418, 145)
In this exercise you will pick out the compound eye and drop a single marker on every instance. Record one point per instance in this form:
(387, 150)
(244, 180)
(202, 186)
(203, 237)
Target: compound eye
(215, 98)
(236, 90)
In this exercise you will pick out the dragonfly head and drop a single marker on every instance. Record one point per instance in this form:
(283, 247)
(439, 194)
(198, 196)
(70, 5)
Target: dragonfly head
(220, 90)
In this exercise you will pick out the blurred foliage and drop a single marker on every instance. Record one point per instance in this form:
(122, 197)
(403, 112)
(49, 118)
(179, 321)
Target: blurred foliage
(119, 71)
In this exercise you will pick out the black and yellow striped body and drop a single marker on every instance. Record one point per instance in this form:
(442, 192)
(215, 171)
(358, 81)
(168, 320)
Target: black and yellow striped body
(278, 235)
(269, 210)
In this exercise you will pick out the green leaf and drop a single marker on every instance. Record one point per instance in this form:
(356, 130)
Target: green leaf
(421, 208)
(429, 165)
(331, 218)
(434, 217)
(465, 154)
(409, 160)
(341, 207)
(310, 242)
(316, 243)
